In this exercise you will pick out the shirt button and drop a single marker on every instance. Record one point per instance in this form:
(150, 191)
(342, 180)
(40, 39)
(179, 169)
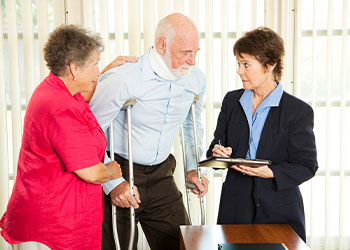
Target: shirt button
(257, 204)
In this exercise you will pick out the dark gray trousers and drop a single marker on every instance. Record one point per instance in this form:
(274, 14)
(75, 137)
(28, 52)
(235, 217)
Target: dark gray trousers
(161, 210)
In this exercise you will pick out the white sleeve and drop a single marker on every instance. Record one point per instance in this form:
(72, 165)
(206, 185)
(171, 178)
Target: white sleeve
(109, 97)
(188, 130)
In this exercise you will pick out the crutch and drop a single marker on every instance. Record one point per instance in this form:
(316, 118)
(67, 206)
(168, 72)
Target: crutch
(189, 185)
(114, 208)
(127, 106)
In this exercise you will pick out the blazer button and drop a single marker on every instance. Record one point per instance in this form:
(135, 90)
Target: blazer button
(257, 204)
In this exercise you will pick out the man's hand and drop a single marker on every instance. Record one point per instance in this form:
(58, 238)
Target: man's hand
(122, 197)
(119, 61)
(192, 176)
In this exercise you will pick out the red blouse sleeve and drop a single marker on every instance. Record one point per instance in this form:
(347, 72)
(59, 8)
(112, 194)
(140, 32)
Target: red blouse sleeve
(77, 139)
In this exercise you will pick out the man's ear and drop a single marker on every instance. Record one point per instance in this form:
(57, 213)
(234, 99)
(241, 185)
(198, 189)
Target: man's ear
(161, 46)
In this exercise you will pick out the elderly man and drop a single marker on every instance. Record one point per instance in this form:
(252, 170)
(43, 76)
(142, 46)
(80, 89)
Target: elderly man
(164, 82)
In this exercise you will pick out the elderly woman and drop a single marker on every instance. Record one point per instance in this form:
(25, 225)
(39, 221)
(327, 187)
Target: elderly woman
(264, 122)
(57, 199)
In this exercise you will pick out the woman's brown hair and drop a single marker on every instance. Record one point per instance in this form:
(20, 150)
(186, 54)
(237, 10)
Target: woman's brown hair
(265, 45)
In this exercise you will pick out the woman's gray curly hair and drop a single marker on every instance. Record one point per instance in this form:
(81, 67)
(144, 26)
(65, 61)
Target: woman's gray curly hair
(69, 43)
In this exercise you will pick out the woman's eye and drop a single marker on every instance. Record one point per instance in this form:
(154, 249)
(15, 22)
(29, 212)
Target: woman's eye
(246, 65)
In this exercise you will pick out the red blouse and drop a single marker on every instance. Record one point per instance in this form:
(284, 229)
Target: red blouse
(49, 203)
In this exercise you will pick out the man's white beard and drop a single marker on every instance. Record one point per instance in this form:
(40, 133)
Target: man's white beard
(181, 71)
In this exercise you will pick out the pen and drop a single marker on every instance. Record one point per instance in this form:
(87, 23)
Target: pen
(227, 154)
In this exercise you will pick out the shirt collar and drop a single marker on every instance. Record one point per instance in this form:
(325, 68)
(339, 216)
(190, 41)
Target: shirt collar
(153, 67)
(56, 82)
(272, 100)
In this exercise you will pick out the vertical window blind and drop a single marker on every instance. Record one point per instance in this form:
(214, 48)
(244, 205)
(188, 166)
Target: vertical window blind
(316, 36)
(321, 69)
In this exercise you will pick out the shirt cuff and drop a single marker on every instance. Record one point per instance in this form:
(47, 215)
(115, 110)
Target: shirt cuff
(111, 184)
(191, 163)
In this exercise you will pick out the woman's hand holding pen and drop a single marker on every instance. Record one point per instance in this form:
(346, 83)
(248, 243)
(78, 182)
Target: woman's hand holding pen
(263, 171)
(221, 151)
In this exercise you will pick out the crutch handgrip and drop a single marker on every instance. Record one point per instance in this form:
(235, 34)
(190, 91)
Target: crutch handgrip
(190, 185)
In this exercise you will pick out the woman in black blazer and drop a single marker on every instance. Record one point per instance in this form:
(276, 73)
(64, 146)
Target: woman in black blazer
(262, 121)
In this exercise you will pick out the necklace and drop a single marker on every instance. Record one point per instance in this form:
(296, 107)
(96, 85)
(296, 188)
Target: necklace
(254, 106)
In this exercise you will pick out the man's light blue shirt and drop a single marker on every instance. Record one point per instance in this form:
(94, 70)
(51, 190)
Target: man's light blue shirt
(162, 106)
(256, 122)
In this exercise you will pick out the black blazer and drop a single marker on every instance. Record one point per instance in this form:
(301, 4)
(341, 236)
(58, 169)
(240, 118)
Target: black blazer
(288, 140)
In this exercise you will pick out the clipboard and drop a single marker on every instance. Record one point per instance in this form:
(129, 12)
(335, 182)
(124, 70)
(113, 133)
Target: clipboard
(226, 162)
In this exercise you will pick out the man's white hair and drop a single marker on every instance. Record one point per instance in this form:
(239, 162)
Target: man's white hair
(165, 29)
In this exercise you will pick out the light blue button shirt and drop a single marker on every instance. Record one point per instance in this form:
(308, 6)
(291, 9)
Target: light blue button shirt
(162, 106)
(256, 122)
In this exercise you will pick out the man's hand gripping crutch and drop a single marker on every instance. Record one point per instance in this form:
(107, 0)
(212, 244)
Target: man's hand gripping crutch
(195, 182)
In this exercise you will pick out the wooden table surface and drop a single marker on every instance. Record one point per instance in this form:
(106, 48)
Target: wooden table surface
(208, 237)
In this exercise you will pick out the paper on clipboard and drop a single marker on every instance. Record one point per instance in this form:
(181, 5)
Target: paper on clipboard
(226, 162)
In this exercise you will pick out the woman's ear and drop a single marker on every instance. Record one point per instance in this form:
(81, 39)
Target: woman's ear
(73, 69)
(270, 67)
(161, 45)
